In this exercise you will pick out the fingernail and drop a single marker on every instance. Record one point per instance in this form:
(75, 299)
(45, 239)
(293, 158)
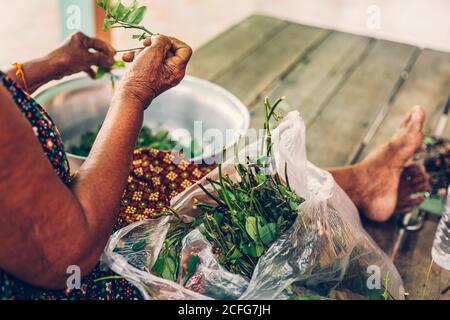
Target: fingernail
(154, 38)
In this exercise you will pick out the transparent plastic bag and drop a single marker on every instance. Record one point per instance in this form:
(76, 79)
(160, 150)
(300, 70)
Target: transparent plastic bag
(325, 255)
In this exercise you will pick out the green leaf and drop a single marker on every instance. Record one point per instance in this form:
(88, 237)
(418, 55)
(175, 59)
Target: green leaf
(433, 205)
(235, 255)
(268, 233)
(192, 265)
(306, 296)
(159, 266)
(104, 4)
(139, 245)
(114, 9)
(122, 12)
(107, 24)
(429, 141)
(170, 268)
(119, 64)
(137, 15)
(133, 6)
(141, 37)
(101, 4)
(136, 36)
(161, 135)
(253, 250)
(249, 249)
(294, 205)
(261, 178)
(101, 72)
(218, 216)
(251, 226)
(260, 250)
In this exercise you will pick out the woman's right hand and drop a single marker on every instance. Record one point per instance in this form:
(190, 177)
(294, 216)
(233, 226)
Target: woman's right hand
(155, 69)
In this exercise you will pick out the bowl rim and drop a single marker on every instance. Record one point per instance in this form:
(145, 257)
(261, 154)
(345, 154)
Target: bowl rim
(242, 108)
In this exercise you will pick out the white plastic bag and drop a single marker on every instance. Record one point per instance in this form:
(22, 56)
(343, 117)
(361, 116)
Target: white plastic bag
(326, 254)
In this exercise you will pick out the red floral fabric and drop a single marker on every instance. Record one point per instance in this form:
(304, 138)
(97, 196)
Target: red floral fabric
(156, 178)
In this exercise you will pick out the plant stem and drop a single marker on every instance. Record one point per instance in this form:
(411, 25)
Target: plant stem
(129, 50)
(130, 26)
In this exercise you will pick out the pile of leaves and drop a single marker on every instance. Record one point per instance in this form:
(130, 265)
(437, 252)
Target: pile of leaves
(147, 139)
(246, 214)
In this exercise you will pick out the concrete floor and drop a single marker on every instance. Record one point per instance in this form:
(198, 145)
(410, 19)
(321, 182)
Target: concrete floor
(31, 27)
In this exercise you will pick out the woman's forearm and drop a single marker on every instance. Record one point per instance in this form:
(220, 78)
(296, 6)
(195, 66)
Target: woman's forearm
(100, 183)
(59, 227)
(78, 54)
(37, 73)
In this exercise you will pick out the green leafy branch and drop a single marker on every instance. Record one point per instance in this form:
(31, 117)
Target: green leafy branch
(119, 15)
(128, 17)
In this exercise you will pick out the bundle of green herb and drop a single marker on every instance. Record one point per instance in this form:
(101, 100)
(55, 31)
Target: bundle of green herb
(246, 217)
(250, 212)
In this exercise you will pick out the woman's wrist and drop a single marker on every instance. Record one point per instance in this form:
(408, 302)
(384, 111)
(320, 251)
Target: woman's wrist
(58, 66)
(36, 73)
(125, 94)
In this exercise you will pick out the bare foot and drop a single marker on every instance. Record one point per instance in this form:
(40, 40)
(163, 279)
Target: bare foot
(373, 184)
(380, 173)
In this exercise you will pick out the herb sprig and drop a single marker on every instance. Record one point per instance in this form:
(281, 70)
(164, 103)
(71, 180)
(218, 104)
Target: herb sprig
(119, 15)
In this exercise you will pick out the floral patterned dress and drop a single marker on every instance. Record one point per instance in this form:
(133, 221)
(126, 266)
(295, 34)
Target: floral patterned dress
(154, 180)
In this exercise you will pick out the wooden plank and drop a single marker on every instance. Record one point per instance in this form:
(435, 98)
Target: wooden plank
(268, 63)
(413, 262)
(310, 84)
(446, 119)
(428, 85)
(446, 133)
(334, 137)
(384, 233)
(217, 56)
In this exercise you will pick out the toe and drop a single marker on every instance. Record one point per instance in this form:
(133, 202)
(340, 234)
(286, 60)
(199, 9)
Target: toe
(414, 174)
(417, 119)
(407, 120)
(420, 186)
(410, 204)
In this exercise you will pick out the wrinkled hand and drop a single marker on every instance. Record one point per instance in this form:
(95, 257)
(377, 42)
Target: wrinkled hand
(155, 69)
(80, 53)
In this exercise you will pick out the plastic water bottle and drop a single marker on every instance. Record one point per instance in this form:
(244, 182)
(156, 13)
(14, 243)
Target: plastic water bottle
(441, 246)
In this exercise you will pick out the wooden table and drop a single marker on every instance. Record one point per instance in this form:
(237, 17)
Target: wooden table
(353, 93)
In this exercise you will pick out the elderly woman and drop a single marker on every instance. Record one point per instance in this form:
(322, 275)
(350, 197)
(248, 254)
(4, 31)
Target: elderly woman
(50, 220)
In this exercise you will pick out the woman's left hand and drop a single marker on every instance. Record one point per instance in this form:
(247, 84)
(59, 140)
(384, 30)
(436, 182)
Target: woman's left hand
(81, 53)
